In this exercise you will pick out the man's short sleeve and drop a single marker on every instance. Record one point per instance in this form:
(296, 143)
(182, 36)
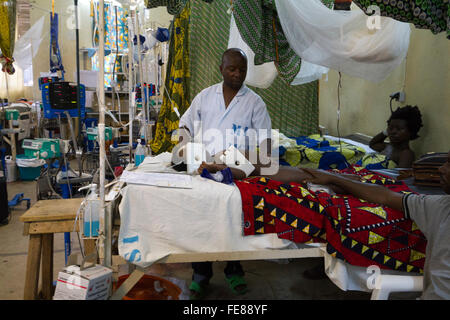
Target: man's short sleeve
(427, 211)
(191, 115)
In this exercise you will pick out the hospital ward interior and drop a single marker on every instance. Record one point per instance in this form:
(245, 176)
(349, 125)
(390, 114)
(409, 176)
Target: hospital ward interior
(224, 150)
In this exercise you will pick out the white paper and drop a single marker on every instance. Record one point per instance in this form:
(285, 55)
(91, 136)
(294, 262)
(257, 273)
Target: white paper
(88, 78)
(169, 180)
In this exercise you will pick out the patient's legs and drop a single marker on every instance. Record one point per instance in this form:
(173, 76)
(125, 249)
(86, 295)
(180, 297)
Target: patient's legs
(233, 268)
(203, 270)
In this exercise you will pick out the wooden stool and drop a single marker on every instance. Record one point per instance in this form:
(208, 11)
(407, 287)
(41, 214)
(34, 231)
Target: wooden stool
(41, 221)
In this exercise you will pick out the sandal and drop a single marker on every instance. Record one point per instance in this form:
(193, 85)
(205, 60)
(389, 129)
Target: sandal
(198, 290)
(237, 284)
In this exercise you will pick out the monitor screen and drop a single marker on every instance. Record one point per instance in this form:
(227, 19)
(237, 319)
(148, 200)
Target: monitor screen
(63, 95)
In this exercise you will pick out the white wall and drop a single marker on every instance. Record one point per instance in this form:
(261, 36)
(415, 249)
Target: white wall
(66, 39)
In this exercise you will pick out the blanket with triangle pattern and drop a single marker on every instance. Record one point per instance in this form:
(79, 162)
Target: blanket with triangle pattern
(356, 231)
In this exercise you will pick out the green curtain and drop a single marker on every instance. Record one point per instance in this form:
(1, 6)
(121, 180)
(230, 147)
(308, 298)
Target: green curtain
(260, 28)
(7, 34)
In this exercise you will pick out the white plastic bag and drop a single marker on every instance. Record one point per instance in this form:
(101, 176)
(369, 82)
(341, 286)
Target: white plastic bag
(342, 40)
(260, 76)
(27, 46)
(309, 72)
(30, 163)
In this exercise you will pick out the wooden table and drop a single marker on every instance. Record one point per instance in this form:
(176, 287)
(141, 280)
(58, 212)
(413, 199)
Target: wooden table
(41, 221)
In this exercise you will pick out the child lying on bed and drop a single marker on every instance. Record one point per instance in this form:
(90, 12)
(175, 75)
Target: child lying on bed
(403, 126)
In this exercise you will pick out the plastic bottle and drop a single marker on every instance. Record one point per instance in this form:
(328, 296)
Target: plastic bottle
(140, 152)
(91, 221)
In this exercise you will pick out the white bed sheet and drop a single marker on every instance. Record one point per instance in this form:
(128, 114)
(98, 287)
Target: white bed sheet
(158, 221)
(348, 277)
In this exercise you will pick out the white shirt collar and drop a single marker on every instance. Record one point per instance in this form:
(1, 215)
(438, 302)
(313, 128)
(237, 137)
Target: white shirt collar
(241, 91)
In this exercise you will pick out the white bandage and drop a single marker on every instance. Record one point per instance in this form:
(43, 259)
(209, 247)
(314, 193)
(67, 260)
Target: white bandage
(233, 158)
(195, 154)
(191, 154)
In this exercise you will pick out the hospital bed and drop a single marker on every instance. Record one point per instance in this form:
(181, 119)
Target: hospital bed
(198, 220)
(201, 220)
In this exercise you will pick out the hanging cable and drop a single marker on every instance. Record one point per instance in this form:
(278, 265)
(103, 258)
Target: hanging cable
(113, 82)
(339, 110)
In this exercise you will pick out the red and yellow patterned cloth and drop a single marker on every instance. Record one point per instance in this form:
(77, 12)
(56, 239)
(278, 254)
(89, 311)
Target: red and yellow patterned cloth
(354, 230)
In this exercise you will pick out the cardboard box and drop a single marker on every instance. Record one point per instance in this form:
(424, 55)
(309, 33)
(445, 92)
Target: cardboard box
(93, 283)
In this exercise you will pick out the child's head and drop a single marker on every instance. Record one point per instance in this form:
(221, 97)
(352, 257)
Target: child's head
(404, 124)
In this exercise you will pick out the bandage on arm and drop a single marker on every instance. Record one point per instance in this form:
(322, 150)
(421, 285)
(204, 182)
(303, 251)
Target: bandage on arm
(234, 159)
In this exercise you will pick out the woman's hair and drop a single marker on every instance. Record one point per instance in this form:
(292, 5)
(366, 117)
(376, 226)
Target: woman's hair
(412, 116)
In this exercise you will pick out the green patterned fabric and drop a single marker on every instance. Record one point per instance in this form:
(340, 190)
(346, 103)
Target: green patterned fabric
(315, 151)
(174, 7)
(374, 161)
(209, 39)
(260, 28)
(176, 84)
(7, 34)
(294, 110)
(424, 14)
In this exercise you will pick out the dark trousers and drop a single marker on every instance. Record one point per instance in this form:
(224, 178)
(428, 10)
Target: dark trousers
(203, 270)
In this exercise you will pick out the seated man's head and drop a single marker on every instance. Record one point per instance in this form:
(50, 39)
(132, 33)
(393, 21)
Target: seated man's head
(234, 68)
(404, 124)
(444, 171)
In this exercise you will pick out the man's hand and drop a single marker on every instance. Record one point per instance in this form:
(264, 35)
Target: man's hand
(211, 167)
(370, 192)
(319, 176)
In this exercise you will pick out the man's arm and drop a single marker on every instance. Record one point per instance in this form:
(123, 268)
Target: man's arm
(369, 192)
(377, 143)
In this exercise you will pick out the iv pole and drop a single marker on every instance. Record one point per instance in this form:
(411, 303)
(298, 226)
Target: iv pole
(77, 40)
(101, 134)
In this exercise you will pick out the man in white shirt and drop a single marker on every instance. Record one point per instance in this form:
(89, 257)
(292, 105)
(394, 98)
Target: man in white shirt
(431, 213)
(221, 115)
(225, 114)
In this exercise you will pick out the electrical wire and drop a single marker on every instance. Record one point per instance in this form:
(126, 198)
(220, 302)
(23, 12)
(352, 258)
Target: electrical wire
(114, 83)
(339, 110)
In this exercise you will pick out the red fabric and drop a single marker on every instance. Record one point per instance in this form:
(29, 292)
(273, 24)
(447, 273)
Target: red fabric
(353, 231)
